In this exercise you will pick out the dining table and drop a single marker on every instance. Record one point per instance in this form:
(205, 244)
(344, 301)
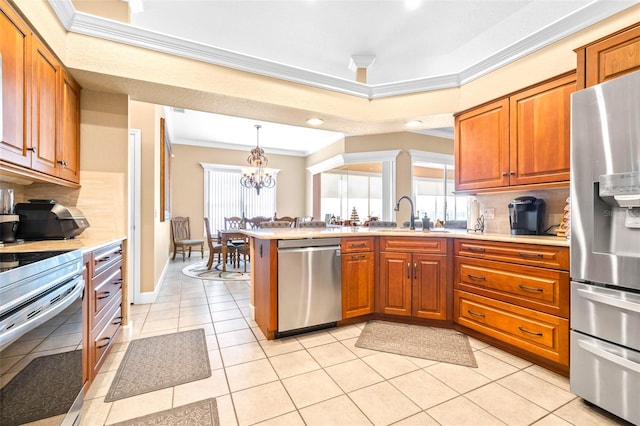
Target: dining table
(227, 236)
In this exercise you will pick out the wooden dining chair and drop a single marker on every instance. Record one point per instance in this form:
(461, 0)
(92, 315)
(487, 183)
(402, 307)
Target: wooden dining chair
(292, 221)
(255, 221)
(236, 246)
(313, 224)
(181, 237)
(275, 224)
(382, 224)
(215, 247)
(234, 222)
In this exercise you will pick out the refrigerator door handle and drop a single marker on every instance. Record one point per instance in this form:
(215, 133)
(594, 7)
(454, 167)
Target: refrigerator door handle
(608, 300)
(599, 352)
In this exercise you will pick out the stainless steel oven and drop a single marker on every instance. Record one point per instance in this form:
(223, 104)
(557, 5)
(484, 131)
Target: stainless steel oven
(41, 352)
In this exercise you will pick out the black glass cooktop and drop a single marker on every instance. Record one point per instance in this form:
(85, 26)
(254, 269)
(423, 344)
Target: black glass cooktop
(14, 260)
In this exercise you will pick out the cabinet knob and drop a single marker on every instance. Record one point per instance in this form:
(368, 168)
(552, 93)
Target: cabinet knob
(512, 173)
(63, 163)
(504, 174)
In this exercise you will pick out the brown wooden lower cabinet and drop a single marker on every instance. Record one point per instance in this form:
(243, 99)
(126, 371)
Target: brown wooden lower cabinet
(536, 332)
(516, 294)
(413, 284)
(511, 295)
(358, 276)
(357, 284)
(105, 280)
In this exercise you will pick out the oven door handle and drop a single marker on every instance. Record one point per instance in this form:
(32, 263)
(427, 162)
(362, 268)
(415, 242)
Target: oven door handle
(55, 305)
(604, 354)
(594, 296)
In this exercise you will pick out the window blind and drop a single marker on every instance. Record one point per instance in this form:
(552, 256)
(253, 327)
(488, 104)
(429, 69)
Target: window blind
(224, 196)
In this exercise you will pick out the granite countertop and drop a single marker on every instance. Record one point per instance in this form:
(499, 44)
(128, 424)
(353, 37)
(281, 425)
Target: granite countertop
(294, 233)
(84, 243)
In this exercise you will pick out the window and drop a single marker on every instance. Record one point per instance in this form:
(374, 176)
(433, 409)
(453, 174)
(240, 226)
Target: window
(225, 197)
(433, 185)
(385, 168)
(344, 190)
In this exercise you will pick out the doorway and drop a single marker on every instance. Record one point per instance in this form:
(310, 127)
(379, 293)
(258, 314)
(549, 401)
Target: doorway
(133, 241)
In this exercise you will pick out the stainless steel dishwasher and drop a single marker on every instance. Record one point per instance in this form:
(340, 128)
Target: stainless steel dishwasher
(309, 283)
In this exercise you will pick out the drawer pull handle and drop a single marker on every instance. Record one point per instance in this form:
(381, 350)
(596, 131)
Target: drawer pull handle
(104, 259)
(118, 281)
(358, 256)
(358, 245)
(526, 288)
(534, 333)
(475, 314)
(476, 249)
(118, 320)
(531, 255)
(104, 295)
(106, 340)
(476, 277)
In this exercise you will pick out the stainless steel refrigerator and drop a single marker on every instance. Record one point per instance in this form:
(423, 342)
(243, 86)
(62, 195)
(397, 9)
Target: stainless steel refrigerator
(605, 246)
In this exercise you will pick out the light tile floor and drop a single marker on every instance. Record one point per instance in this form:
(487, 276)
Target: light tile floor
(323, 379)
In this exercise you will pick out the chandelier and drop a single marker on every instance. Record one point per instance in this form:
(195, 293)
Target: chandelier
(257, 176)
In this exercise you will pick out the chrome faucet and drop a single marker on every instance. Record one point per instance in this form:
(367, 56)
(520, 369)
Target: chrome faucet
(412, 221)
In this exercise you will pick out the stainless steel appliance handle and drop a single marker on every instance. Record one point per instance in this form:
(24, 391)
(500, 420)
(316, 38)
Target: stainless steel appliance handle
(625, 363)
(609, 300)
(310, 249)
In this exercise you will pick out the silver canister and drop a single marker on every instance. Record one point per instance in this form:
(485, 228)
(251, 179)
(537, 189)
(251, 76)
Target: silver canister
(6, 201)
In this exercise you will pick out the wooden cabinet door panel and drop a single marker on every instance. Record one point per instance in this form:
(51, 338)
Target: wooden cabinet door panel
(44, 108)
(357, 284)
(69, 139)
(545, 290)
(554, 257)
(429, 286)
(536, 332)
(15, 58)
(356, 244)
(613, 57)
(395, 283)
(540, 132)
(482, 147)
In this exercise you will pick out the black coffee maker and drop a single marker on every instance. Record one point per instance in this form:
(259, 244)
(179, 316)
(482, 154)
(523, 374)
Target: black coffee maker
(526, 216)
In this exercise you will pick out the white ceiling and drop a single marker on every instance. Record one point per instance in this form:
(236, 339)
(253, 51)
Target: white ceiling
(435, 42)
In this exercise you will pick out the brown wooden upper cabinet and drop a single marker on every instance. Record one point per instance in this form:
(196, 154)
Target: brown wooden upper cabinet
(609, 57)
(40, 107)
(15, 49)
(521, 139)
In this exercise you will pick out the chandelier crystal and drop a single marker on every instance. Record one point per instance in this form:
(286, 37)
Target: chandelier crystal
(257, 175)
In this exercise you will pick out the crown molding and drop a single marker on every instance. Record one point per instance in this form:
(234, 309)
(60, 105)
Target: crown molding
(353, 158)
(445, 133)
(82, 23)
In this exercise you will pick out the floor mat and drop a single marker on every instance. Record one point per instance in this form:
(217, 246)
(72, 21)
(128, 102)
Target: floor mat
(161, 362)
(438, 344)
(201, 413)
(199, 270)
(27, 397)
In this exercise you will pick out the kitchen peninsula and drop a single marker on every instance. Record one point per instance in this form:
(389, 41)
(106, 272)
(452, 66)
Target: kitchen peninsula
(510, 291)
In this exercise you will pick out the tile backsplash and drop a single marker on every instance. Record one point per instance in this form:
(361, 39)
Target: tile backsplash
(555, 200)
(100, 199)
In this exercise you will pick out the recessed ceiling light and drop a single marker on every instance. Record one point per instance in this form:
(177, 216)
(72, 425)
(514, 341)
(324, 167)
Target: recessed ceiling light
(315, 121)
(412, 4)
(413, 123)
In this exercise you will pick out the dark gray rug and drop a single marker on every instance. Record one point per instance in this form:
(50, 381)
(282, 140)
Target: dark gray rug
(27, 397)
(201, 413)
(161, 362)
(437, 344)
